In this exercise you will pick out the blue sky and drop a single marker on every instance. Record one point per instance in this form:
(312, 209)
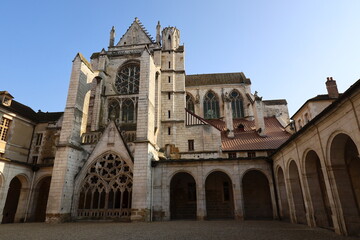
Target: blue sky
(287, 48)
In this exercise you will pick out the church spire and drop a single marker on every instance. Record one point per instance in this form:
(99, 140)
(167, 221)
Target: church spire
(112, 36)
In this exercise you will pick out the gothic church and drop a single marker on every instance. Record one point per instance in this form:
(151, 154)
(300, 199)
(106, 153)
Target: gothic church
(139, 140)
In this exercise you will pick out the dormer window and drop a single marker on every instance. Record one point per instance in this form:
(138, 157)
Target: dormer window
(6, 98)
(7, 101)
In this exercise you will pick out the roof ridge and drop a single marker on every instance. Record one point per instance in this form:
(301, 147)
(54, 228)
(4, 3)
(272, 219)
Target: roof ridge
(139, 23)
(213, 73)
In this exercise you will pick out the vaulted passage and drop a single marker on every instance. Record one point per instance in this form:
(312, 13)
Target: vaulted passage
(319, 197)
(183, 196)
(106, 189)
(41, 198)
(219, 196)
(297, 194)
(257, 198)
(284, 204)
(345, 165)
(12, 201)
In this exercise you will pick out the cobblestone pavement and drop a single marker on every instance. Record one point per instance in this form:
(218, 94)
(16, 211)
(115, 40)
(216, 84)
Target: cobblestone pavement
(188, 230)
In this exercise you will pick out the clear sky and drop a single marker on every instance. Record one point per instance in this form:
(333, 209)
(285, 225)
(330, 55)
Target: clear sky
(287, 48)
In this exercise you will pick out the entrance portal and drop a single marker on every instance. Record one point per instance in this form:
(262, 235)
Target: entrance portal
(12, 201)
(183, 197)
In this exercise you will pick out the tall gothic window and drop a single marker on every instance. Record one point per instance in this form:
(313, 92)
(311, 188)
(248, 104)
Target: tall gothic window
(190, 103)
(236, 104)
(211, 106)
(106, 189)
(127, 79)
(127, 109)
(113, 110)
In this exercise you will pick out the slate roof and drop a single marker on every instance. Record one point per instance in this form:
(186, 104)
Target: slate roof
(48, 116)
(30, 114)
(320, 97)
(275, 102)
(248, 139)
(216, 78)
(318, 118)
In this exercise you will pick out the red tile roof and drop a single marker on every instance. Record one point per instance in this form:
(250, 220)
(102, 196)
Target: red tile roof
(248, 139)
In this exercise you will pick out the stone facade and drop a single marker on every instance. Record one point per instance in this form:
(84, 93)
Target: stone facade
(140, 140)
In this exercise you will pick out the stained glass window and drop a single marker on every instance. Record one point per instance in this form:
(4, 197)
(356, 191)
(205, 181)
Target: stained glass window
(113, 110)
(236, 104)
(127, 79)
(211, 106)
(127, 109)
(190, 103)
(106, 189)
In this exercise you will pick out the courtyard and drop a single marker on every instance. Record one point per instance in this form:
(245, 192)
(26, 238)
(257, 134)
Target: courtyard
(246, 230)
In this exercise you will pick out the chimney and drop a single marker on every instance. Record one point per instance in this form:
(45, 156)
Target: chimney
(259, 115)
(332, 88)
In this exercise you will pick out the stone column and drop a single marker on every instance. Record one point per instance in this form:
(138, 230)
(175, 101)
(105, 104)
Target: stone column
(97, 104)
(200, 195)
(238, 198)
(69, 151)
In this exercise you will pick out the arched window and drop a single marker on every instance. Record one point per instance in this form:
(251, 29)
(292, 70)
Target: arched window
(211, 106)
(113, 110)
(127, 79)
(236, 104)
(127, 109)
(190, 103)
(106, 188)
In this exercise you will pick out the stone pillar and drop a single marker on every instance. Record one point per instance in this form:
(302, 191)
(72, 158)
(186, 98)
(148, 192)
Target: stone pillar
(97, 104)
(259, 115)
(201, 202)
(200, 195)
(290, 200)
(69, 152)
(238, 197)
(310, 217)
(22, 205)
(3, 194)
(228, 116)
(141, 193)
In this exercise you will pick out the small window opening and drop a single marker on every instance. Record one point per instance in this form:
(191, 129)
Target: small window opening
(169, 95)
(191, 145)
(169, 64)
(241, 127)
(169, 78)
(169, 131)
(39, 137)
(251, 154)
(232, 155)
(169, 114)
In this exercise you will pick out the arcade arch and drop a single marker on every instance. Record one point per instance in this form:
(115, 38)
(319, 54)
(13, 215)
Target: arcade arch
(182, 196)
(219, 196)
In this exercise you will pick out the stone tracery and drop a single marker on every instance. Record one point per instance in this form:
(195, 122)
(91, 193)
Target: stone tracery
(106, 189)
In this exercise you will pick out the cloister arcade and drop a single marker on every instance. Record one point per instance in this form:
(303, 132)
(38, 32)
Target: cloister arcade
(321, 191)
